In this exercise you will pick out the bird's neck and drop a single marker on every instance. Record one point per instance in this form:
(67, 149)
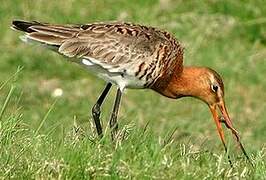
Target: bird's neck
(186, 83)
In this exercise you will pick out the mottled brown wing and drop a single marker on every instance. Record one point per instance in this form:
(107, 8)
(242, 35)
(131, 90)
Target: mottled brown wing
(111, 44)
(138, 51)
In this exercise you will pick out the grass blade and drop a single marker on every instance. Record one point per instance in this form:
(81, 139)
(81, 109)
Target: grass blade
(19, 69)
(6, 101)
(44, 118)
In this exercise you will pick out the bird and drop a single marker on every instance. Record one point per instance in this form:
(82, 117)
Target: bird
(129, 55)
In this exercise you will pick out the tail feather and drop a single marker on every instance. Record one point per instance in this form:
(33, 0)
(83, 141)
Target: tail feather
(45, 38)
(69, 28)
(48, 30)
(24, 25)
(43, 33)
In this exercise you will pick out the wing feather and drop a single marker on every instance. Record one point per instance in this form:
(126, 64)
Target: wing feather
(45, 38)
(110, 45)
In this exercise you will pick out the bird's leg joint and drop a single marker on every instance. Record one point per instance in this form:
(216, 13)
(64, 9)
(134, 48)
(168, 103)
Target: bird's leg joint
(96, 111)
(113, 120)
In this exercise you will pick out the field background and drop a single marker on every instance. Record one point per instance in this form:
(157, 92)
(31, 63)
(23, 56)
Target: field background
(47, 136)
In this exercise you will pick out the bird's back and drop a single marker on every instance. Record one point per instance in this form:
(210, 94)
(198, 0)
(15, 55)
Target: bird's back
(129, 55)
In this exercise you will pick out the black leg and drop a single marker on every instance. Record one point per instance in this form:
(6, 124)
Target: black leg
(113, 119)
(96, 110)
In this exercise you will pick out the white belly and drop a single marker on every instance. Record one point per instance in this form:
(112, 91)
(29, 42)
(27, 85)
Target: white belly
(122, 79)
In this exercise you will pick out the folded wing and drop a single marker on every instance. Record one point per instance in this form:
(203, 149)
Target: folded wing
(110, 45)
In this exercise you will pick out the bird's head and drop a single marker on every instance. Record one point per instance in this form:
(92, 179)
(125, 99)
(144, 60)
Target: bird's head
(206, 85)
(213, 94)
(199, 82)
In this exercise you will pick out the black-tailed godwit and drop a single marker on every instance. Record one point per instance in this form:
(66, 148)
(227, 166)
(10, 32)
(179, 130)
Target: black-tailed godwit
(132, 56)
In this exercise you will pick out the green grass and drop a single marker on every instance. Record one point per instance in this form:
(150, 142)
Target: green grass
(45, 137)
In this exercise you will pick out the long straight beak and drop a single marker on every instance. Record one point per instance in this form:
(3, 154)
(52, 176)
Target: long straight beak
(228, 124)
(219, 129)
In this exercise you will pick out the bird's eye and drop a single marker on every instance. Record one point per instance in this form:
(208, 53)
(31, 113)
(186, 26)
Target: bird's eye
(214, 88)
